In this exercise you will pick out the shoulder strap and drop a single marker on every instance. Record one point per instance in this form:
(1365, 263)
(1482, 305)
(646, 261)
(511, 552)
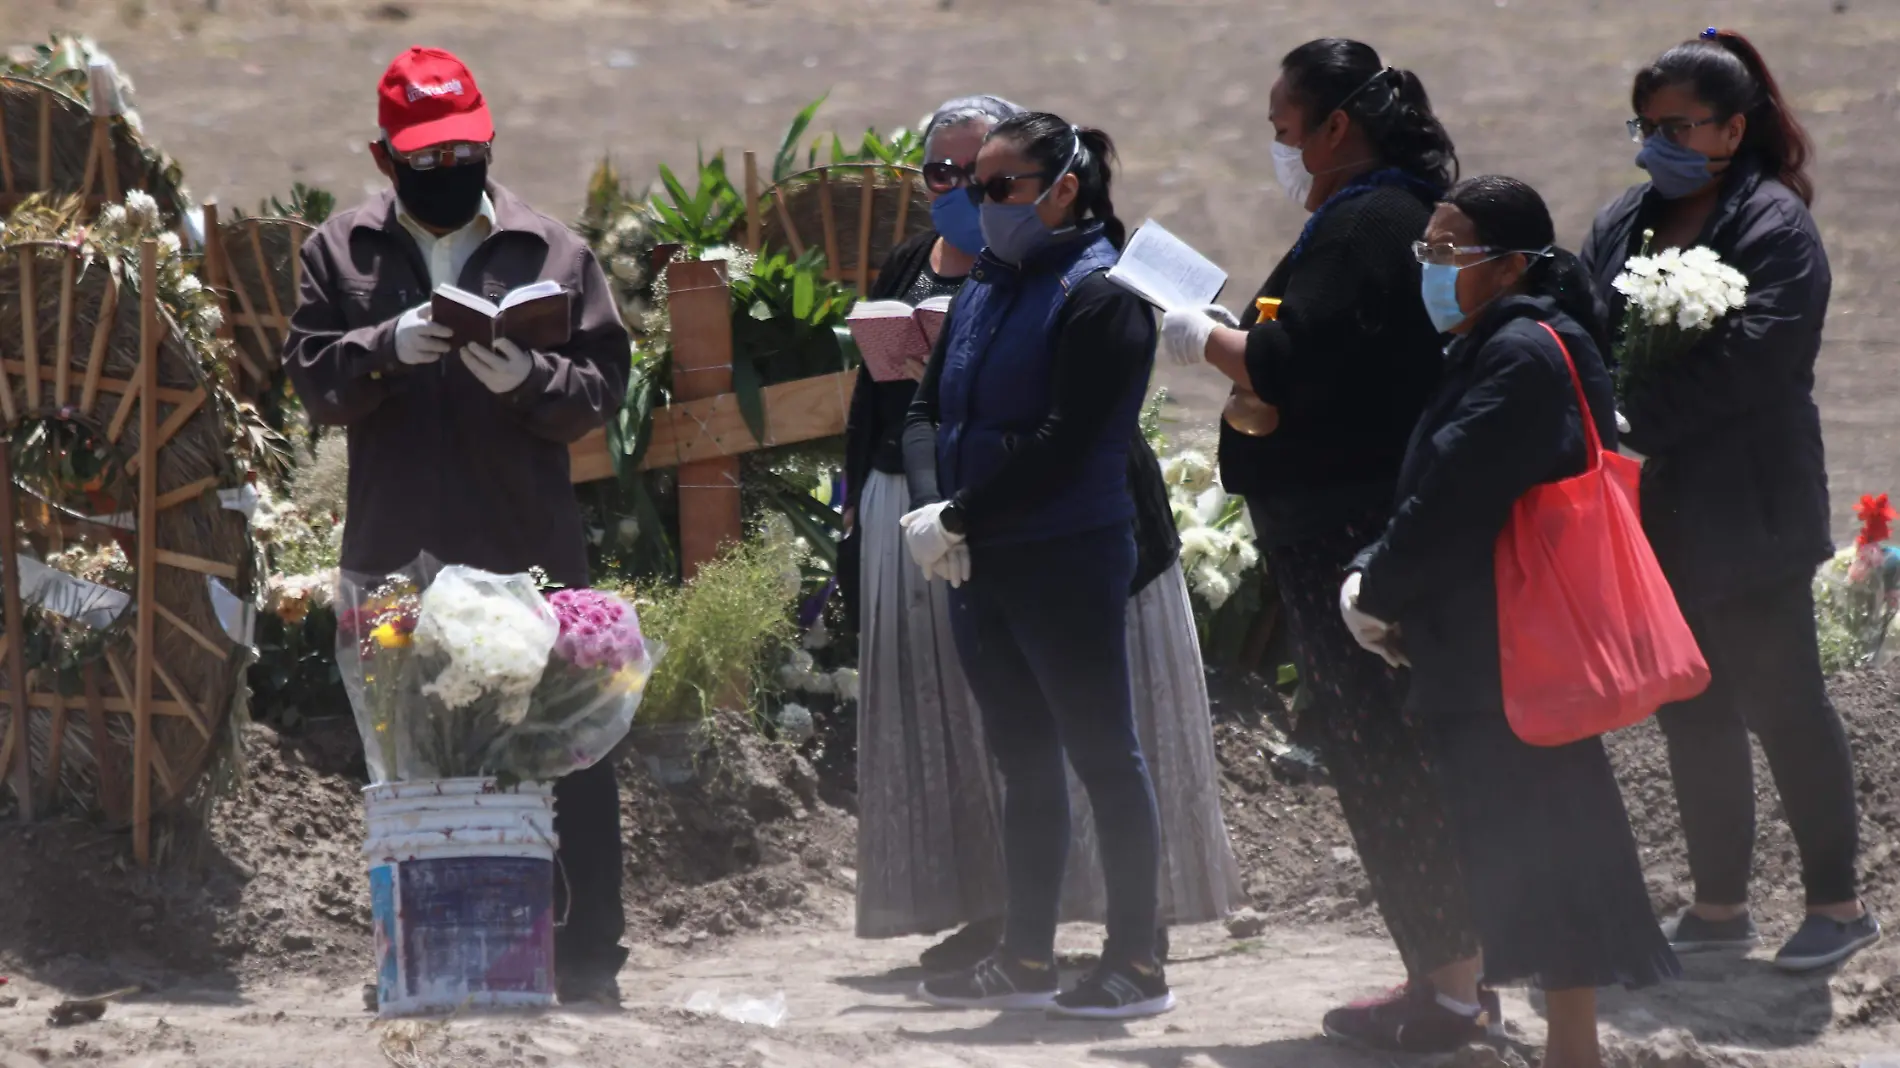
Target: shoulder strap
(1591, 438)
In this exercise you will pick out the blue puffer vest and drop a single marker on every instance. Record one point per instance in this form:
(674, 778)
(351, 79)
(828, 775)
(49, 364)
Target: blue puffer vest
(996, 385)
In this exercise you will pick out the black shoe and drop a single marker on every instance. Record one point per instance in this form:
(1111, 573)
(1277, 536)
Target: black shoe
(998, 983)
(964, 950)
(1161, 945)
(588, 988)
(1409, 1019)
(1117, 993)
(1822, 941)
(1689, 933)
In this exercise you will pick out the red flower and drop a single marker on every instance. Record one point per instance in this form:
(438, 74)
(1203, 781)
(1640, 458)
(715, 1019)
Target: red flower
(1876, 516)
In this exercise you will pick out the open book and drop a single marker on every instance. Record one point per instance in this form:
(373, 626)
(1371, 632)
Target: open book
(1163, 270)
(538, 316)
(890, 333)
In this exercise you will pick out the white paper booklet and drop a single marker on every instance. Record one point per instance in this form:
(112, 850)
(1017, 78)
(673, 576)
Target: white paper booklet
(1165, 271)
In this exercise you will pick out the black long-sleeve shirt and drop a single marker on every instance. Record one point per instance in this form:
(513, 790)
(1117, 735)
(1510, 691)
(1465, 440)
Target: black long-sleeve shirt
(874, 427)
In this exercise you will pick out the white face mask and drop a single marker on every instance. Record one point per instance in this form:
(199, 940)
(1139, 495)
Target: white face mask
(1289, 165)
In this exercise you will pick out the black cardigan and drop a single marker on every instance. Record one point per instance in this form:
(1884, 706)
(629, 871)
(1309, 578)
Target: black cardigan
(1503, 419)
(1348, 363)
(1735, 486)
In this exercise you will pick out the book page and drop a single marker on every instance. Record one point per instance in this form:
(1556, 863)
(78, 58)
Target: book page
(879, 309)
(469, 300)
(536, 291)
(1165, 271)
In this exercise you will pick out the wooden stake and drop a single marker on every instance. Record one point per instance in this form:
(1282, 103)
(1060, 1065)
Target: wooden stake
(785, 220)
(101, 341)
(250, 313)
(142, 748)
(866, 201)
(199, 564)
(62, 373)
(188, 492)
(30, 325)
(701, 311)
(191, 632)
(105, 750)
(754, 217)
(270, 289)
(173, 424)
(829, 218)
(127, 399)
(182, 697)
(15, 615)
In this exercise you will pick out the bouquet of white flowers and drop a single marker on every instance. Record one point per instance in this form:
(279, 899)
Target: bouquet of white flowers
(1673, 299)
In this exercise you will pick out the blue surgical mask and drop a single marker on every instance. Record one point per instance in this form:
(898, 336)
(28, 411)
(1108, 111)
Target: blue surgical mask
(1675, 170)
(1438, 284)
(956, 219)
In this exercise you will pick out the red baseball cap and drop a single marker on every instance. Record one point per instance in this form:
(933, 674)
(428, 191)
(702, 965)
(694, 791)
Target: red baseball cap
(428, 97)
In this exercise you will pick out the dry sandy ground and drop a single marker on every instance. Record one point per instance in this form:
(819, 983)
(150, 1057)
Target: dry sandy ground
(1244, 1005)
(253, 94)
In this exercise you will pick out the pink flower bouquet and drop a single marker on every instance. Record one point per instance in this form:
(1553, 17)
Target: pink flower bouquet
(587, 697)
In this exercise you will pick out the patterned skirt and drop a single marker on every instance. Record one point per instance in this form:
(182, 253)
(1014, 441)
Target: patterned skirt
(929, 799)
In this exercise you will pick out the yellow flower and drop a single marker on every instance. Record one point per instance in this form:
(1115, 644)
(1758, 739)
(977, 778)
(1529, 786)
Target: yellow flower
(389, 637)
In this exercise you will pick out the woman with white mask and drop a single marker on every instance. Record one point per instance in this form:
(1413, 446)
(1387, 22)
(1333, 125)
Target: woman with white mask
(1328, 388)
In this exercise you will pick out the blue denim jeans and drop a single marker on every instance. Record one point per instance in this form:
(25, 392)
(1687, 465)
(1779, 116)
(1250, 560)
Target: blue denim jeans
(1041, 631)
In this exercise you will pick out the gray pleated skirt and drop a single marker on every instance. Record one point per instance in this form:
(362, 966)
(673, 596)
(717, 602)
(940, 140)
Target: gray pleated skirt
(929, 799)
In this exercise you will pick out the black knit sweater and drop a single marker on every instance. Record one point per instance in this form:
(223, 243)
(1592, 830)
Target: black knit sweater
(1349, 363)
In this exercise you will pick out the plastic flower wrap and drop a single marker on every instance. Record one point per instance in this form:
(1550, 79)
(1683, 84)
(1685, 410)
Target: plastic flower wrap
(1673, 300)
(1857, 594)
(586, 699)
(375, 653)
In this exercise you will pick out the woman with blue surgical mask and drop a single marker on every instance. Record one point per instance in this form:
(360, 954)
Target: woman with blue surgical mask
(930, 854)
(1551, 867)
(1329, 388)
(1734, 491)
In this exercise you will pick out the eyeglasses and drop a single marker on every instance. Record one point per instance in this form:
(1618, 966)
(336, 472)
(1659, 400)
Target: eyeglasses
(1675, 130)
(1446, 255)
(450, 155)
(999, 186)
(941, 176)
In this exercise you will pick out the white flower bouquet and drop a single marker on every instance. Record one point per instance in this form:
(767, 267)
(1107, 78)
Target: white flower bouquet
(1672, 300)
(1217, 536)
(440, 665)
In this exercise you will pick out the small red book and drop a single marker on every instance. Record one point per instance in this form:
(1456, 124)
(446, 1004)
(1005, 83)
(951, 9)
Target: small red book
(891, 333)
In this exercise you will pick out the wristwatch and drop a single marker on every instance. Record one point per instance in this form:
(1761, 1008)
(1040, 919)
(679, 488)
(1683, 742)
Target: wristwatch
(952, 518)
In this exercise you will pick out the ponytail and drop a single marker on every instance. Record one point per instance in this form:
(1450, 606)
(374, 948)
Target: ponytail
(1726, 72)
(1389, 104)
(1050, 140)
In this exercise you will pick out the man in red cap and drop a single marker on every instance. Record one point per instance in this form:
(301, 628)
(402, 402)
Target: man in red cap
(463, 454)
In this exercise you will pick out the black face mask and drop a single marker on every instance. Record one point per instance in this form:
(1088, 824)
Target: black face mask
(444, 198)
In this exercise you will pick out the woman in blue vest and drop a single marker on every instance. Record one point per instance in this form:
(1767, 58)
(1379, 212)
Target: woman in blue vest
(1340, 376)
(1016, 449)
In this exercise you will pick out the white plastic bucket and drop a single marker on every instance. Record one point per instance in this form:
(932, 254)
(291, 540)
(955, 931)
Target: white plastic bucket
(461, 894)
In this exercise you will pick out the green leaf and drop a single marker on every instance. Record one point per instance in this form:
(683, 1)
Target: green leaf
(749, 391)
(822, 537)
(787, 156)
(802, 295)
(1287, 675)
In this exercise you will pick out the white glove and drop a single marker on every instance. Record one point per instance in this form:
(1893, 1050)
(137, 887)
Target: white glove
(420, 339)
(502, 369)
(953, 567)
(1373, 635)
(1622, 424)
(925, 536)
(1184, 333)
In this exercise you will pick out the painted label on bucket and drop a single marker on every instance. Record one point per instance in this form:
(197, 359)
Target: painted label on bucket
(382, 907)
(478, 924)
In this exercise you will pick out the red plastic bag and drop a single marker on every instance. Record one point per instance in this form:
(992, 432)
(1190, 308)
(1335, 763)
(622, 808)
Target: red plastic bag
(1590, 639)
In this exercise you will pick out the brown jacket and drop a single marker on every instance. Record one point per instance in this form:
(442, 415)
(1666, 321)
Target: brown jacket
(438, 463)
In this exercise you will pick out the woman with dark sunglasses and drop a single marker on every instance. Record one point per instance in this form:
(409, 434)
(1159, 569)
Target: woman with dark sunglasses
(1017, 448)
(1735, 489)
(929, 839)
(1327, 392)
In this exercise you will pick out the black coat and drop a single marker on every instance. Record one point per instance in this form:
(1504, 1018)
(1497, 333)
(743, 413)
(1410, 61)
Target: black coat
(1735, 487)
(1503, 419)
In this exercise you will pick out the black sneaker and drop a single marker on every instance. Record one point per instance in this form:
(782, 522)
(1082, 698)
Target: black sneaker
(1118, 993)
(1410, 1019)
(1689, 933)
(1822, 941)
(998, 984)
(964, 950)
(1161, 946)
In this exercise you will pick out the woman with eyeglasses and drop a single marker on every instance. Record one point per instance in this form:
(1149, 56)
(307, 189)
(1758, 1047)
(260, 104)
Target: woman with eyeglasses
(1552, 870)
(1735, 488)
(1017, 449)
(1331, 386)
